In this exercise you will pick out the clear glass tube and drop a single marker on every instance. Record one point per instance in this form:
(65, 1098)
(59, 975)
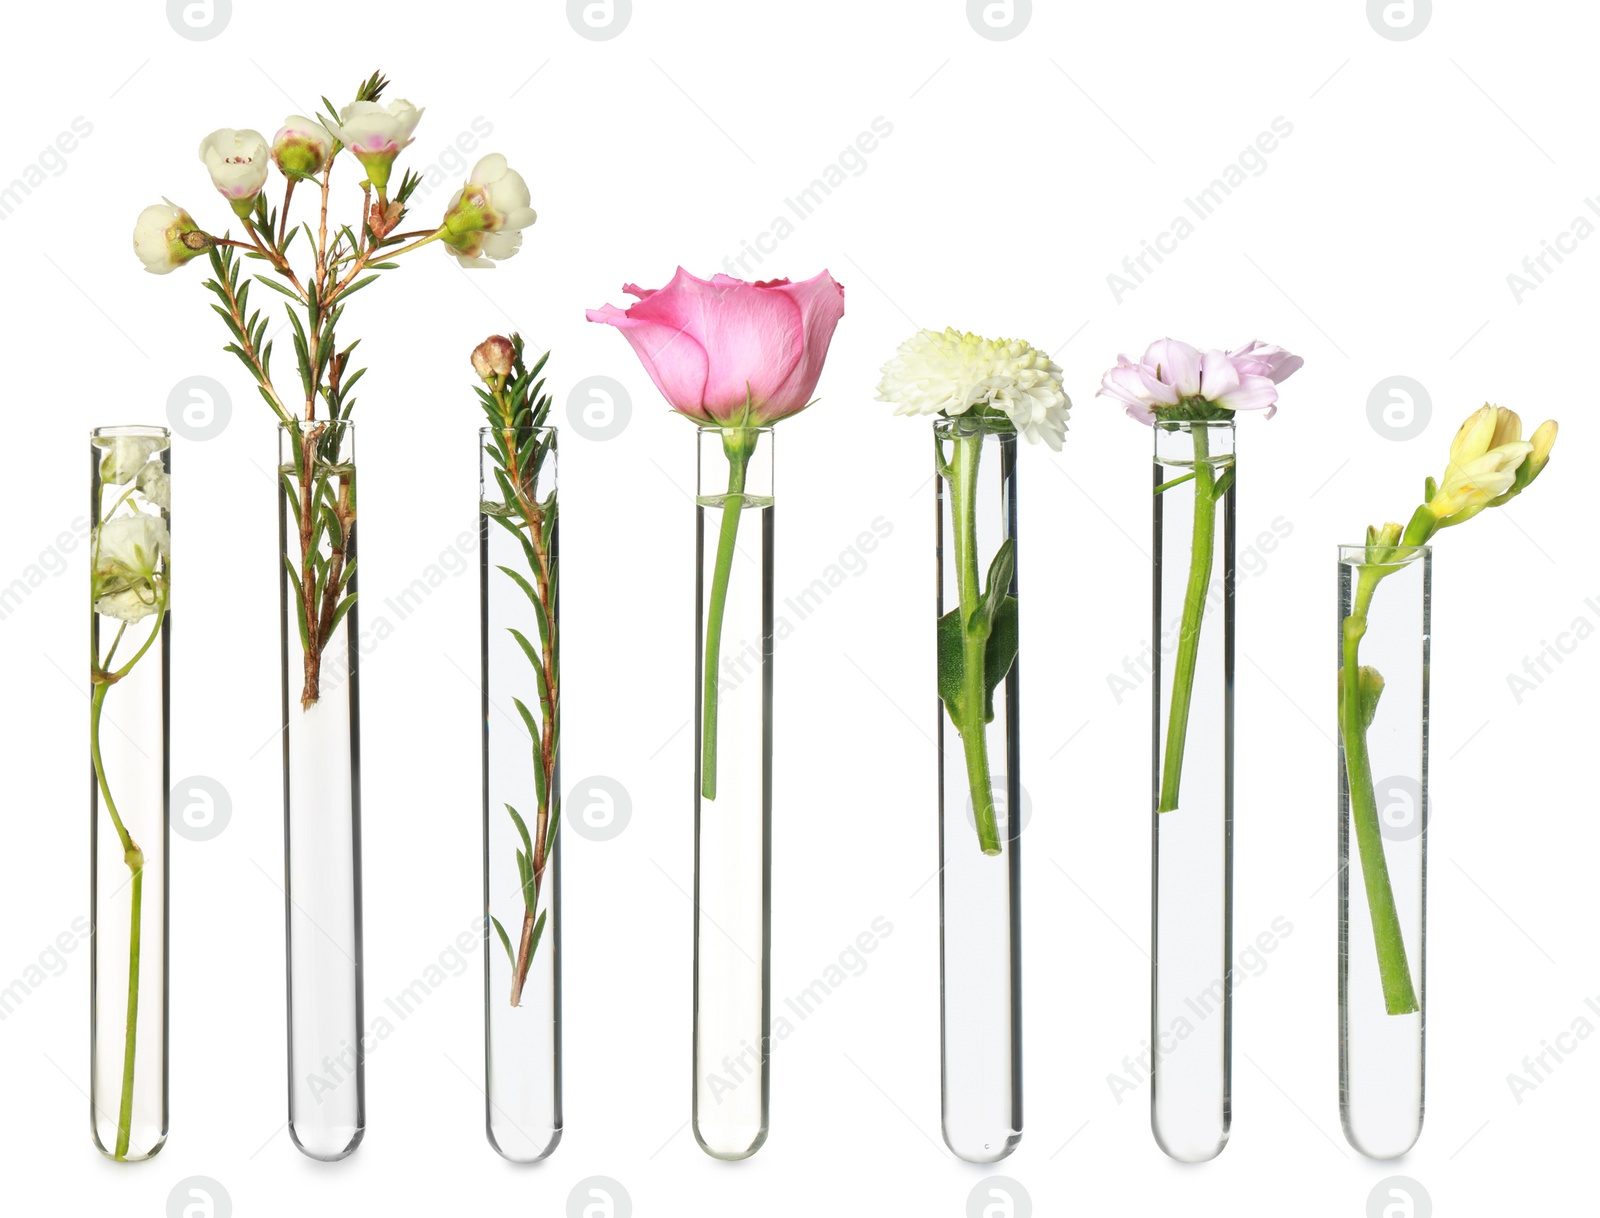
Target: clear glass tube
(321, 786)
(733, 789)
(1384, 609)
(980, 910)
(130, 634)
(1191, 859)
(521, 683)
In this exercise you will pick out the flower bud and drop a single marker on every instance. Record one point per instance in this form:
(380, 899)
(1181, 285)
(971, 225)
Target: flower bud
(1371, 683)
(165, 237)
(301, 147)
(492, 357)
(1543, 440)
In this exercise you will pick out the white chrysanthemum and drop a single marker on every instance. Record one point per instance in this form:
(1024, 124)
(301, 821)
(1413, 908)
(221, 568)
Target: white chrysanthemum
(950, 373)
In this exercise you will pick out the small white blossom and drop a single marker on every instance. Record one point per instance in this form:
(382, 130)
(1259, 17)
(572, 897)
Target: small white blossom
(155, 484)
(128, 554)
(126, 456)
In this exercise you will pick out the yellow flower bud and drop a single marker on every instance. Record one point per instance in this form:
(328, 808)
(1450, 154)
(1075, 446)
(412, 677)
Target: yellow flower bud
(1543, 439)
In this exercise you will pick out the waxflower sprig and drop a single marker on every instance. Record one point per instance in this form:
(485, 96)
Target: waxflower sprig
(1174, 384)
(130, 581)
(740, 357)
(482, 223)
(986, 385)
(514, 400)
(1490, 464)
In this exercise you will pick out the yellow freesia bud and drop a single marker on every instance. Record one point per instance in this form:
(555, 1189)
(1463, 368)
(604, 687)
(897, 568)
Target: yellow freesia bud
(1544, 439)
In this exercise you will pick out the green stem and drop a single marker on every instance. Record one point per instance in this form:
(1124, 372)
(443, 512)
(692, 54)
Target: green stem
(1399, 998)
(738, 443)
(1202, 552)
(974, 733)
(134, 857)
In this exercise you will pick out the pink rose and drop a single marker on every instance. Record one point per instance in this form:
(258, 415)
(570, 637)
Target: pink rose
(711, 346)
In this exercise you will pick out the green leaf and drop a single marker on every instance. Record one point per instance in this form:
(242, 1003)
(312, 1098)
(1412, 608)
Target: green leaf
(1167, 486)
(527, 546)
(550, 835)
(300, 603)
(528, 719)
(998, 580)
(538, 933)
(523, 584)
(280, 287)
(1000, 652)
(522, 830)
(533, 658)
(505, 939)
(524, 870)
(1224, 484)
(341, 609)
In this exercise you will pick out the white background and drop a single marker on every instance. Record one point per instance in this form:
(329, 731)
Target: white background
(1018, 175)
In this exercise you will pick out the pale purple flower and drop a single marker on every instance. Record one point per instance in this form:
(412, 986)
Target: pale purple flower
(1171, 372)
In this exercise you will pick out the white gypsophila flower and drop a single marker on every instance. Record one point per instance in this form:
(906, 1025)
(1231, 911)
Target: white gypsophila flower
(126, 456)
(155, 484)
(128, 554)
(951, 373)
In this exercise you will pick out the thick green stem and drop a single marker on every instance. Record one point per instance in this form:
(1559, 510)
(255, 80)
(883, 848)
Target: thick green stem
(974, 732)
(739, 444)
(1399, 997)
(134, 857)
(1202, 551)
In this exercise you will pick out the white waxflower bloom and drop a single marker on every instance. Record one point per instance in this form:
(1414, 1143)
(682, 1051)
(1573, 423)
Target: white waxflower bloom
(155, 484)
(128, 554)
(376, 134)
(126, 456)
(158, 237)
(952, 373)
(484, 218)
(485, 249)
(238, 162)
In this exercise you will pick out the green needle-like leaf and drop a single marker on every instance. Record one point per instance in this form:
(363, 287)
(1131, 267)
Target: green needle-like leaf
(522, 830)
(505, 939)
